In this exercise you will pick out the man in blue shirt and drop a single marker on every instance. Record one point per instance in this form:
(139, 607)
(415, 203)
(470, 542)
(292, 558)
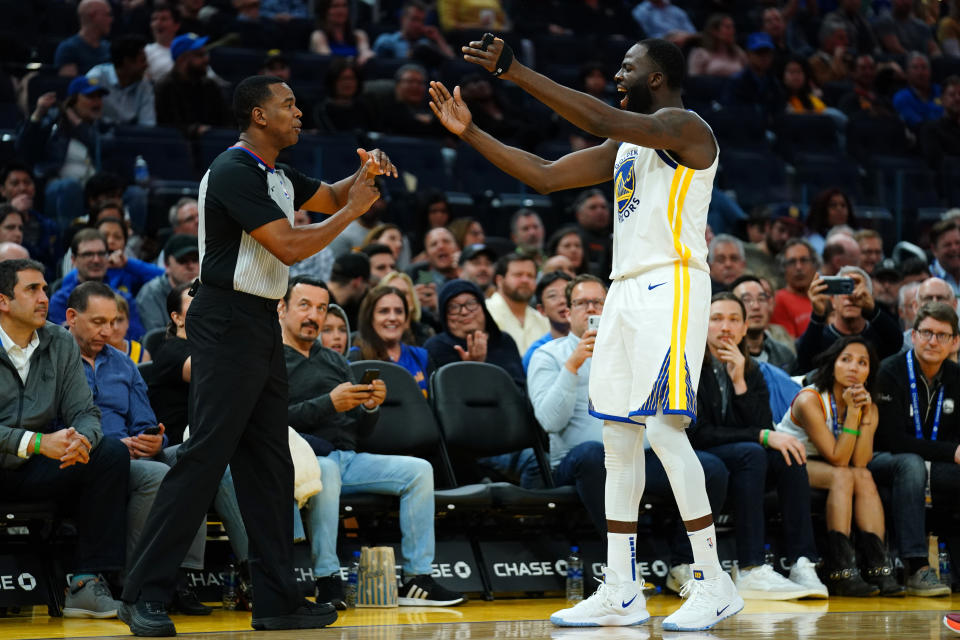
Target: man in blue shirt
(558, 382)
(79, 53)
(919, 101)
(551, 302)
(413, 35)
(121, 395)
(660, 19)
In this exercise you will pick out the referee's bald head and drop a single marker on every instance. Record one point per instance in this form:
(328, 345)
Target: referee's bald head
(251, 93)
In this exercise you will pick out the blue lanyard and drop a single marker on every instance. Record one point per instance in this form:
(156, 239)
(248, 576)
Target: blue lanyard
(916, 402)
(833, 414)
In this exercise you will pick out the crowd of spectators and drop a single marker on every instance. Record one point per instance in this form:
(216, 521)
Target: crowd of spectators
(423, 280)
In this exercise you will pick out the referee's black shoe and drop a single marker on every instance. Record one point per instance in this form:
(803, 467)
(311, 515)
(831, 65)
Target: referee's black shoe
(308, 615)
(147, 619)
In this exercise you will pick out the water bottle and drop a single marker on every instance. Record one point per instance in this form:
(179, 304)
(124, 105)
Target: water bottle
(353, 579)
(574, 576)
(769, 557)
(945, 572)
(141, 173)
(230, 578)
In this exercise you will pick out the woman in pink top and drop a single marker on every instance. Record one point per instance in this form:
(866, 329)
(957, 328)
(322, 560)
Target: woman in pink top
(719, 54)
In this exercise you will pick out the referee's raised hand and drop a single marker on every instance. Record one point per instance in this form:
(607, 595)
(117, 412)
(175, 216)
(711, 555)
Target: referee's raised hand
(364, 191)
(381, 163)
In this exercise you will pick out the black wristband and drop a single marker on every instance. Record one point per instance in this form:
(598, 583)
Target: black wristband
(506, 55)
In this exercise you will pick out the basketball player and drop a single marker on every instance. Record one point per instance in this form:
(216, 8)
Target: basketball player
(649, 348)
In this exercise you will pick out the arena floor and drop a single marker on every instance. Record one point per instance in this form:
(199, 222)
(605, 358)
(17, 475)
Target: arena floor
(837, 618)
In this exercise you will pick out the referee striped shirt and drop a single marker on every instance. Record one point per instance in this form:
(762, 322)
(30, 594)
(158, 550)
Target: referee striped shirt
(239, 193)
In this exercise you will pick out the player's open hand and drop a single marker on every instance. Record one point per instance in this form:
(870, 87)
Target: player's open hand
(451, 110)
(487, 56)
(381, 166)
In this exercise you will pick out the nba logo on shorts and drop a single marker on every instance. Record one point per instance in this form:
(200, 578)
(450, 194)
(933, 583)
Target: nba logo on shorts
(698, 575)
(710, 542)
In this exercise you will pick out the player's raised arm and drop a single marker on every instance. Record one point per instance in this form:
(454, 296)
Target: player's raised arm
(580, 169)
(649, 83)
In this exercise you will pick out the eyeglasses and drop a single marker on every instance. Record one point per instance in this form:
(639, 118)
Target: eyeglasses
(926, 335)
(92, 254)
(454, 308)
(587, 303)
(750, 300)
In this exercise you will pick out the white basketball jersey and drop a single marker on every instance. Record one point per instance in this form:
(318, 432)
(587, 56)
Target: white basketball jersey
(661, 211)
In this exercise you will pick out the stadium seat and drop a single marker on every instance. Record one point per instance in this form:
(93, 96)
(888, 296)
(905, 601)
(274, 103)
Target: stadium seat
(167, 158)
(799, 134)
(757, 176)
(211, 144)
(307, 66)
(738, 127)
(704, 87)
(235, 63)
(420, 157)
(476, 175)
(153, 339)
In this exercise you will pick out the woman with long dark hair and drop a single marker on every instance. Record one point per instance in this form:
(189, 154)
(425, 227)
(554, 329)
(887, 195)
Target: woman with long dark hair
(568, 242)
(335, 34)
(169, 383)
(718, 53)
(835, 417)
(831, 207)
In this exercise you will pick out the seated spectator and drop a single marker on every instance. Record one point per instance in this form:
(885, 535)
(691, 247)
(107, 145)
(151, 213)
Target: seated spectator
(415, 40)
(335, 34)
(121, 395)
(865, 97)
(41, 236)
(432, 211)
(169, 384)
(871, 249)
(421, 322)
(11, 224)
(250, 29)
(277, 65)
(88, 47)
(515, 277)
(320, 264)
(930, 290)
(13, 251)
(860, 35)
(62, 145)
(733, 423)
(727, 261)
(383, 334)
(905, 441)
(791, 304)
(759, 341)
(945, 246)
(558, 379)
(470, 333)
(285, 10)
(901, 32)
(390, 234)
(467, 231)
(757, 86)
(335, 332)
(354, 236)
(835, 418)
(184, 217)
(551, 300)
(854, 314)
(840, 251)
(405, 112)
(124, 273)
(181, 261)
(718, 54)
(941, 137)
(349, 283)
(948, 31)
(440, 249)
(887, 281)
(833, 61)
(476, 266)
(830, 208)
(662, 19)
(76, 466)
(381, 259)
(129, 98)
(527, 232)
(326, 402)
(773, 23)
(498, 115)
(762, 254)
(186, 97)
(799, 92)
(592, 213)
(90, 262)
(118, 340)
(342, 109)
(919, 101)
(472, 14)
(164, 26)
(568, 243)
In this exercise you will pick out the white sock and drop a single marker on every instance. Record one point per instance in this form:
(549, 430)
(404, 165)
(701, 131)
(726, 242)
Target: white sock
(704, 545)
(622, 555)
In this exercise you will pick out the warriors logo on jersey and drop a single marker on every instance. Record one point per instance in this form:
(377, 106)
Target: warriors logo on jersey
(625, 183)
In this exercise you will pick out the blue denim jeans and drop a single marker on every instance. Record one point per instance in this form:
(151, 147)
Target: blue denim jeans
(347, 472)
(901, 480)
(751, 466)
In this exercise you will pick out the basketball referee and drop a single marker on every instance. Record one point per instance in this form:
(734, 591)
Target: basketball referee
(247, 242)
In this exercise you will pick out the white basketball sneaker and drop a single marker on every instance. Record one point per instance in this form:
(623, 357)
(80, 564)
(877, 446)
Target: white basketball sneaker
(614, 604)
(804, 573)
(708, 602)
(764, 583)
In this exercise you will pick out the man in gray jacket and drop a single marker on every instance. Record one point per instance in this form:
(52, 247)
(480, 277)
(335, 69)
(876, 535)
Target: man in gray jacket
(42, 384)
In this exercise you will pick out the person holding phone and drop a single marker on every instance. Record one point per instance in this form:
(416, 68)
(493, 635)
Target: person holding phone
(326, 401)
(855, 313)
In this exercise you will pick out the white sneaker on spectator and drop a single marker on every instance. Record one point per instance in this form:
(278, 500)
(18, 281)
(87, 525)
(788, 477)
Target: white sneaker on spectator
(708, 602)
(613, 604)
(679, 575)
(804, 573)
(763, 583)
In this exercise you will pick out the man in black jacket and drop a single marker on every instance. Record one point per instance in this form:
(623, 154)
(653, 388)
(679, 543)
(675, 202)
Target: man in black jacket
(326, 401)
(734, 423)
(917, 395)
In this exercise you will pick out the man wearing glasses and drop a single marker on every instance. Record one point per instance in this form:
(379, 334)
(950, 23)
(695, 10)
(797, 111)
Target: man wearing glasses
(90, 260)
(762, 346)
(791, 306)
(918, 440)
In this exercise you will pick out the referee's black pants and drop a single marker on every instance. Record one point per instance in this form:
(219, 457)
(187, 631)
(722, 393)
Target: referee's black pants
(239, 402)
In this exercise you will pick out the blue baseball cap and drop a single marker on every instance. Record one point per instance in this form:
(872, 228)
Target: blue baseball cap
(759, 40)
(86, 86)
(186, 42)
